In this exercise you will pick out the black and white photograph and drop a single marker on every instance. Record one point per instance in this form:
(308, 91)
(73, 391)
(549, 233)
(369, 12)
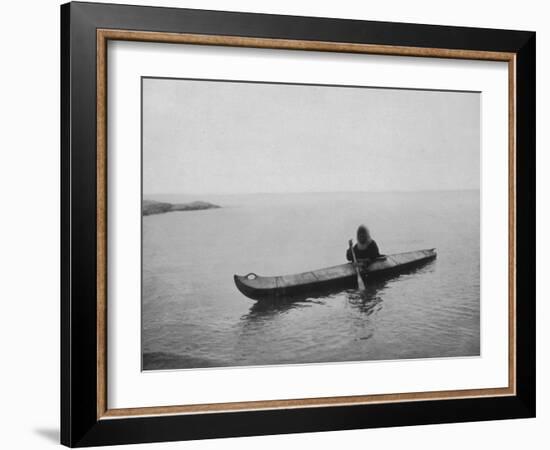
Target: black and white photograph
(300, 223)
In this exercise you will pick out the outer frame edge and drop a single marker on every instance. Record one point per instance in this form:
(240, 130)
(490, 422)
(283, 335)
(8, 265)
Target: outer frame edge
(65, 390)
(526, 223)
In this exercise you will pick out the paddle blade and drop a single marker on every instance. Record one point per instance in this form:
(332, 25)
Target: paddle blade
(361, 283)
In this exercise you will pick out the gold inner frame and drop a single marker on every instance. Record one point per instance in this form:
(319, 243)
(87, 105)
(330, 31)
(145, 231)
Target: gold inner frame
(104, 35)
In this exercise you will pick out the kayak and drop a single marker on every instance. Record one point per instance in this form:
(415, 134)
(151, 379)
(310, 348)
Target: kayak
(342, 276)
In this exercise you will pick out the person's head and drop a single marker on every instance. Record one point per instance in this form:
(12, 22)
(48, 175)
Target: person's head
(363, 234)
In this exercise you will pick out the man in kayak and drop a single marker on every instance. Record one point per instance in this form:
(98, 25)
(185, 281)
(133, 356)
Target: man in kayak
(366, 249)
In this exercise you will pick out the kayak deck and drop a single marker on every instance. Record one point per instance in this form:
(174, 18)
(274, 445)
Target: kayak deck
(343, 276)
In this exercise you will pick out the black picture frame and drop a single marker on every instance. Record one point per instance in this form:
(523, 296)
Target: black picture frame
(80, 425)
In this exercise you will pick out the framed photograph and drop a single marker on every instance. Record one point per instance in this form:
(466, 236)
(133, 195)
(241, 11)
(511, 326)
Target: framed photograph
(277, 224)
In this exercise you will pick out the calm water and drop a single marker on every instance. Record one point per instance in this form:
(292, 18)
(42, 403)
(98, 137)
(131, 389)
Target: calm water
(194, 316)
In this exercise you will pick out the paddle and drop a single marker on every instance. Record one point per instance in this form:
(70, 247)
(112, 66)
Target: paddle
(360, 281)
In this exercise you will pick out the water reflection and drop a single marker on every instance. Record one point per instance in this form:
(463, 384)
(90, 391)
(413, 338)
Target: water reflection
(366, 303)
(268, 308)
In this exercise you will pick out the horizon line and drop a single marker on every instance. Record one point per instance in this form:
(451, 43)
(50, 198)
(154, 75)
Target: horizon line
(312, 192)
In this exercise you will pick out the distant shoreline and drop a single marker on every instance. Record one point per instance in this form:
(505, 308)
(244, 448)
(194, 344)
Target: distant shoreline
(150, 207)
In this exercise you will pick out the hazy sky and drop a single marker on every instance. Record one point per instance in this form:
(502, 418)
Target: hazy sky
(227, 137)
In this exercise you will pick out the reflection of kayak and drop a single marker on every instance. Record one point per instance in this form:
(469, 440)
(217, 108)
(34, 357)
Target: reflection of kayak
(344, 276)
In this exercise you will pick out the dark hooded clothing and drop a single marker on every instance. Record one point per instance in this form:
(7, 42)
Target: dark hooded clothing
(371, 252)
